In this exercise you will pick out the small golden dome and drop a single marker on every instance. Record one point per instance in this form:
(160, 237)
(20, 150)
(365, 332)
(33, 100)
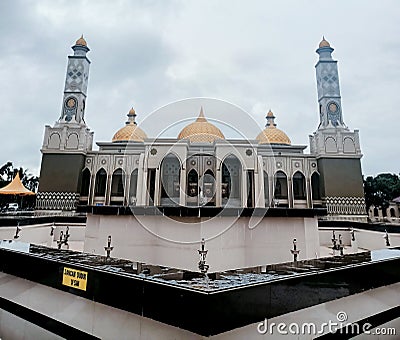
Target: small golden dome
(81, 41)
(271, 134)
(201, 131)
(324, 43)
(130, 132)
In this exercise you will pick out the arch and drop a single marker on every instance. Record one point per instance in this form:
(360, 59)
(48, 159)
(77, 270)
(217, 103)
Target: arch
(208, 184)
(192, 183)
(348, 145)
(73, 141)
(100, 183)
(231, 181)
(170, 180)
(171, 154)
(117, 183)
(133, 187)
(315, 186)
(299, 186)
(54, 141)
(392, 212)
(85, 182)
(266, 189)
(330, 145)
(376, 212)
(281, 185)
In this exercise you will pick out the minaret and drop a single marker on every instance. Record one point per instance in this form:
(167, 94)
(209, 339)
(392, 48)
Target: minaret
(66, 144)
(335, 146)
(76, 82)
(329, 99)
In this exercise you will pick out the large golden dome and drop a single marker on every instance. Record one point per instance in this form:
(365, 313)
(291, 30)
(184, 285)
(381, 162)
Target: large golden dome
(271, 134)
(201, 131)
(130, 132)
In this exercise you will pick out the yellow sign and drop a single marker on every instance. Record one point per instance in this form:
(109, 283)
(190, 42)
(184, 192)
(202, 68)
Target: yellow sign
(74, 278)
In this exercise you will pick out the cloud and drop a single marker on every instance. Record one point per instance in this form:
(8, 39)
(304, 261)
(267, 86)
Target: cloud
(257, 55)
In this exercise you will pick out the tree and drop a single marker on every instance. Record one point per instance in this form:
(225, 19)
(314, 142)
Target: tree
(381, 189)
(8, 172)
(31, 182)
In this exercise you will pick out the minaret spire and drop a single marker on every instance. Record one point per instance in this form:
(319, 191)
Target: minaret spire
(76, 82)
(328, 87)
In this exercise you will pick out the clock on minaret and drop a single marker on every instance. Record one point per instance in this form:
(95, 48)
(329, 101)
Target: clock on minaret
(333, 113)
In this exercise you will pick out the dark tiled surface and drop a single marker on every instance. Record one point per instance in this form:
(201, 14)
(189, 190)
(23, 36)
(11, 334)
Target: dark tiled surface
(205, 211)
(183, 299)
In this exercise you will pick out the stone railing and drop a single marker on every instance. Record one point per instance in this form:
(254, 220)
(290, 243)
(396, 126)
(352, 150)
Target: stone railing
(57, 201)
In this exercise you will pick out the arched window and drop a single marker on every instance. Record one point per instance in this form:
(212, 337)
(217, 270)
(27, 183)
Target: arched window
(208, 184)
(281, 187)
(266, 189)
(193, 183)
(299, 186)
(85, 184)
(392, 212)
(376, 212)
(101, 181)
(133, 186)
(231, 181)
(117, 183)
(170, 180)
(315, 186)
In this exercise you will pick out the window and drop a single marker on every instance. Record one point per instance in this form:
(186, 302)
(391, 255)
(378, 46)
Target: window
(299, 186)
(101, 181)
(281, 187)
(315, 187)
(117, 183)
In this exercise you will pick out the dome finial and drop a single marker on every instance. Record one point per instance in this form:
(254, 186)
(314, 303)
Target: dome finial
(131, 116)
(324, 43)
(201, 117)
(270, 119)
(81, 41)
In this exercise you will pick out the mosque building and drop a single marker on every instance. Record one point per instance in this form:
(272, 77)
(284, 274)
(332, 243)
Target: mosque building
(113, 248)
(201, 178)
(201, 167)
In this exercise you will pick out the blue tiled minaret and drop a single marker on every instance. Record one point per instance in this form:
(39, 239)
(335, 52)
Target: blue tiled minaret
(329, 99)
(76, 82)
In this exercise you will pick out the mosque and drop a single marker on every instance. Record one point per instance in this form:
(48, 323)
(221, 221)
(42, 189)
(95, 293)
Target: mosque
(280, 232)
(201, 167)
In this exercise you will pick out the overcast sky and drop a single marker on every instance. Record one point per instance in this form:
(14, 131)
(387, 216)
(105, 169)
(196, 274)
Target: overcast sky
(256, 55)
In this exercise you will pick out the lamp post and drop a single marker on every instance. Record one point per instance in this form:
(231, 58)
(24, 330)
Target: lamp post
(203, 267)
(295, 251)
(109, 248)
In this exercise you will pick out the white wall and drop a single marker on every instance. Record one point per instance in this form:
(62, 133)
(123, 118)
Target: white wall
(231, 242)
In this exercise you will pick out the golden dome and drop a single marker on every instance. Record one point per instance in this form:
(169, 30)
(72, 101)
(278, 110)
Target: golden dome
(130, 132)
(271, 134)
(201, 131)
(324, 43)
(81, 41)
